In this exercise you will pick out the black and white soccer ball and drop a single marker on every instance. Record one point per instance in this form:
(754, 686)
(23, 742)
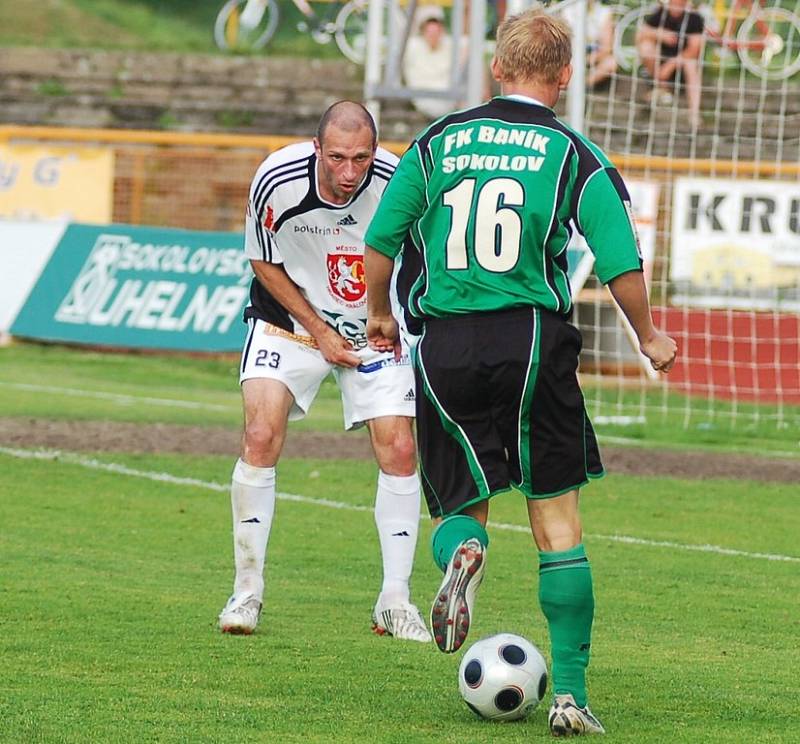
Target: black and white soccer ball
(502, 677)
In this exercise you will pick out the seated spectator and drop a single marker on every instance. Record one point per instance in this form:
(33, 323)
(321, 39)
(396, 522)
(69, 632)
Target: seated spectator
(599, 40)
(428, 60)
(670, 44)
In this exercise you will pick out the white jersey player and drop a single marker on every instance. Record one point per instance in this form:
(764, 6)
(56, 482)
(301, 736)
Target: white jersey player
(309, 207)
(319, 243)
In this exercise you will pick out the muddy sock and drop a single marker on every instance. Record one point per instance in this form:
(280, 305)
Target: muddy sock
(397, 520)
(253, 504)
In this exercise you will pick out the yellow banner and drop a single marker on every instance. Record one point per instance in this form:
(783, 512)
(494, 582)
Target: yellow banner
(47, 182)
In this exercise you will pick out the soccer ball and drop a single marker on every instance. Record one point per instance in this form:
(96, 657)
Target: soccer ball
(503, 677)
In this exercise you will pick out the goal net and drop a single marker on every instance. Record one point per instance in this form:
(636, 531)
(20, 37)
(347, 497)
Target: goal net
(716, 195)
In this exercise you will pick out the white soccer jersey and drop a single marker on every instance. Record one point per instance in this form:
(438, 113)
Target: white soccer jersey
(321, 245)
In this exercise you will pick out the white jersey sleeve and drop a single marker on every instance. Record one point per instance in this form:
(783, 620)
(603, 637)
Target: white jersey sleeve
(264, 202)
(260, 243)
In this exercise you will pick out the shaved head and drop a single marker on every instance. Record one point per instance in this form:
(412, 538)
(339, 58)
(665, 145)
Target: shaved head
(348, 116)
(345, 146)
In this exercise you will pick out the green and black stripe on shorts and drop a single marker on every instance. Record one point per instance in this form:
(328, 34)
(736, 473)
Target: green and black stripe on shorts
(498, 404)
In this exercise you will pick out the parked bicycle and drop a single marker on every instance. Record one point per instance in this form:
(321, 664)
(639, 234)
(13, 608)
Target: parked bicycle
(766, 39)
(248, 25)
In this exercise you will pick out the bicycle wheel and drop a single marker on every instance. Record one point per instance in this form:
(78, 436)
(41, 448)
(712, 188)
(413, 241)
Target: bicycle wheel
(232, 35)
(351, 29)
(768, 43)
(625, 37)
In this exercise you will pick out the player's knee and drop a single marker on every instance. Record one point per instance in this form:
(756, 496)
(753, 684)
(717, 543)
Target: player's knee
(404, 450)
(261, 442)
(558, 536)
(556, 524)
(397, 454)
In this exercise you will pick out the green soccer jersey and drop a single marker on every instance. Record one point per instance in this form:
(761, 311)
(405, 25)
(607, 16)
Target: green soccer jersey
(483, 206)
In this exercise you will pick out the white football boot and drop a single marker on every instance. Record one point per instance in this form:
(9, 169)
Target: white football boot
(240, 615)
(567, 719)
(402, 620)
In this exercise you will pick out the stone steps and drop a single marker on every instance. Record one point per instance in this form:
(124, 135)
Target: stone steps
(264, 95)
(285, 96)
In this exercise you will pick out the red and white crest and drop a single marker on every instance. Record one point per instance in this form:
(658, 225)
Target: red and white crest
(269, 218)
(346, 277)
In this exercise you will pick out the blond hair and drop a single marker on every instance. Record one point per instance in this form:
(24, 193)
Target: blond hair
(533, 46)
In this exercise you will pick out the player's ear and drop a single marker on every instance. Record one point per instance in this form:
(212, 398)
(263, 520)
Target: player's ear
(564, 77)
(317, 147)
(497, 71)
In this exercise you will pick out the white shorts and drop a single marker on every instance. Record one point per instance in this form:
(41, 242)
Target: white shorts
(379, 386)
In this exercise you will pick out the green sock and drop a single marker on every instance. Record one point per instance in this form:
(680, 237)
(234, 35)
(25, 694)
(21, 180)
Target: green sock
(566, 598)
(452, 531)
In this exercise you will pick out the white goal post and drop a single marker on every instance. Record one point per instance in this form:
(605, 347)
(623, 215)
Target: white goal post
(718, 208)
(716, 196)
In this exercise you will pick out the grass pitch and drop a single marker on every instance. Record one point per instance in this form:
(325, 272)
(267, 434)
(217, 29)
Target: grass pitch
(112, 578)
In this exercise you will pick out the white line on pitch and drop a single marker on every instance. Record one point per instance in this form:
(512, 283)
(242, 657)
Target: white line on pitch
(122, 398)
(718, 549)
(110, 467)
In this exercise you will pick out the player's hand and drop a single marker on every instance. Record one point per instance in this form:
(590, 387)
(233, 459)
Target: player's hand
(670, 38)
(661, 350)
(336, 349)
(383, 334)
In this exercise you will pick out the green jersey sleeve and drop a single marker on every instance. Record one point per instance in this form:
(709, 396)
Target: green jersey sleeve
(402, 203)
(606, 220)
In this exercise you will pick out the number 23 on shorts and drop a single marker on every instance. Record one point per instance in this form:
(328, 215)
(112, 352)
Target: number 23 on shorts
(266, 358)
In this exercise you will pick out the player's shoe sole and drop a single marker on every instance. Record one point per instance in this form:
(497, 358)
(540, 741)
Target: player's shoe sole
(451, 613)
(567, 719)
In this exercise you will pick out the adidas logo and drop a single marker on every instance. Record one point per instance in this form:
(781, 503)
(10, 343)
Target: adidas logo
(410, 395)
(401, 534)
(347, 220)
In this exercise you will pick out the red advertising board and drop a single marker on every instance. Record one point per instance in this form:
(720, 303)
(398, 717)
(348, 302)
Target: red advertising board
(735, 354)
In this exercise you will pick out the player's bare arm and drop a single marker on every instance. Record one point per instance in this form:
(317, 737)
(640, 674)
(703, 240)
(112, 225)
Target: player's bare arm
(666, 36)
(653, 35)
(335, 348)
(630, 293)
(383, 333)
(694, 47)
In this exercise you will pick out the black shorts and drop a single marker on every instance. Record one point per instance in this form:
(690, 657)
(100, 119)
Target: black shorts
(498, 404)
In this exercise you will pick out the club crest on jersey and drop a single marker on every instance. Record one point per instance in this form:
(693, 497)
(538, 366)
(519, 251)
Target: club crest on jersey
(269, 218)
(346, 278)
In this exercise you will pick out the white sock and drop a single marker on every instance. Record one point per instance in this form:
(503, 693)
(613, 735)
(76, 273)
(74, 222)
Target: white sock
(397, 519)
(253, 504)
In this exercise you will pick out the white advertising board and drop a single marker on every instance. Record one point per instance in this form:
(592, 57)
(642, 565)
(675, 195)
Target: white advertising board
(25, 248)
(736, 244)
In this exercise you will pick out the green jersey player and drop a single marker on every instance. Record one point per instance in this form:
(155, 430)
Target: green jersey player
(482, 207)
